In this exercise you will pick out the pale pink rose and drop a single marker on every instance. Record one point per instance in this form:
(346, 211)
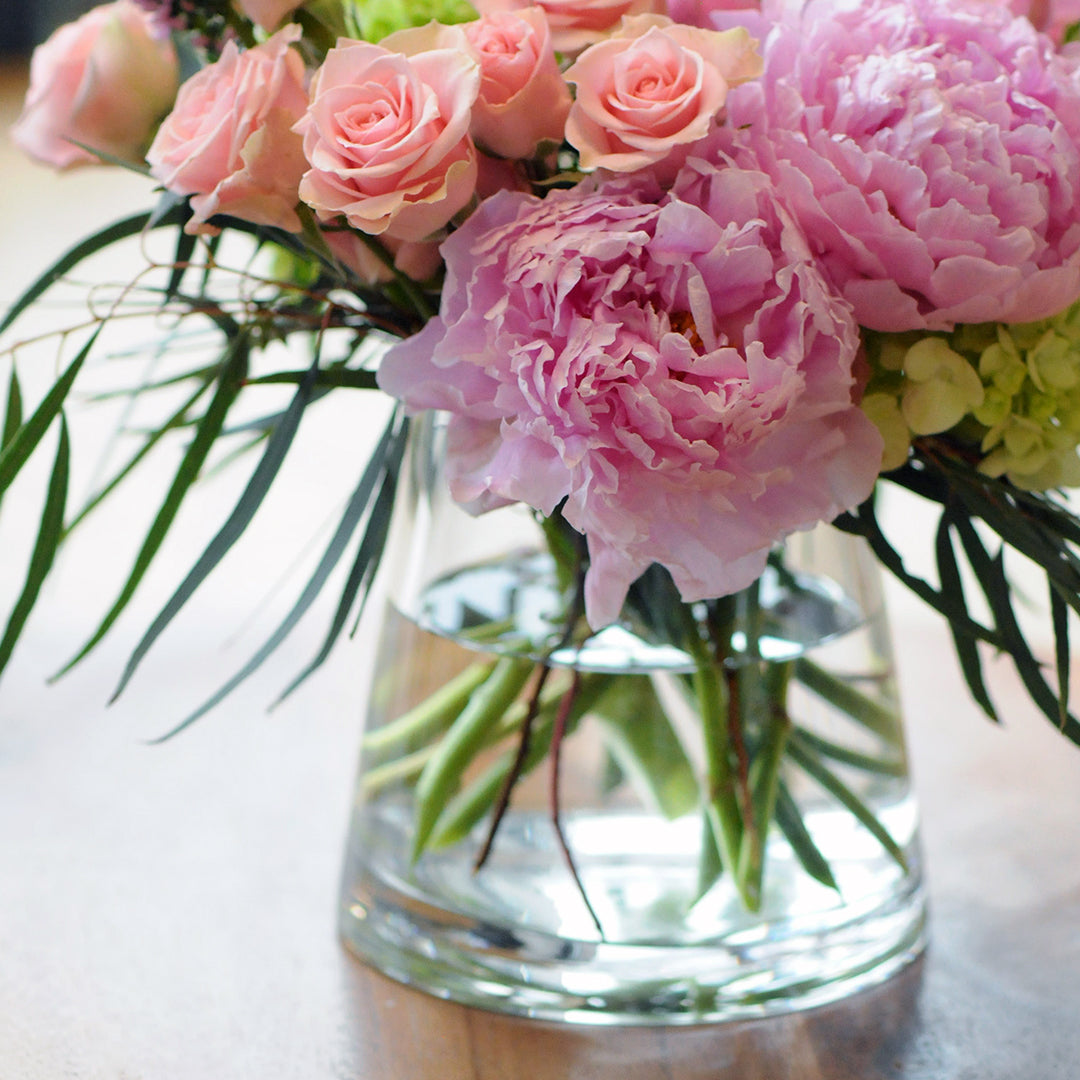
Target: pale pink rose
(523, 96)
(229, 141)
(268, 13)
(104, 81)
(576, 23)
(652, 86)
(420, 261)
(387, 133)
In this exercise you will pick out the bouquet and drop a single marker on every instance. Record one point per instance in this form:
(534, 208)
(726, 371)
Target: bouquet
(685, 278)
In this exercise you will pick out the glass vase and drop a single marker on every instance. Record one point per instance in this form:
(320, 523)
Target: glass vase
(699, 813)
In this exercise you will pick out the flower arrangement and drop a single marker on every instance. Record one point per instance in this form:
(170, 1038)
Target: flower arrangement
(687, 278)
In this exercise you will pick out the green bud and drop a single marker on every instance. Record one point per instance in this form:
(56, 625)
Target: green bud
(996, 407)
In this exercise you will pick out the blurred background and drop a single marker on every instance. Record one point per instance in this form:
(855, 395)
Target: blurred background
(24, 24)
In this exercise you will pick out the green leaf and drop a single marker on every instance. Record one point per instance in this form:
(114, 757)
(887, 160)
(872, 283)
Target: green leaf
(890, 766)
(252, 498)
(120, 230)
(12, 414)
(967, 649)
(994, 583)
(48, 537)
(1059, 614)
(234, 367)
(871, 714)
(354, 511)
(364, 567)
(349, 378)
(810, 762)
(21, 444)
(864, 523)
(185, 248)
(177, 419)
(790, 822)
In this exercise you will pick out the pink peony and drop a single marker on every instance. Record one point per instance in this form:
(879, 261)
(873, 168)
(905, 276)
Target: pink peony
(673, 365)
(929, 149)
(387, 132)
(577, 23)
(652, 86)
(523, 98)
(268, 13)
(104, 81)
(229, 141)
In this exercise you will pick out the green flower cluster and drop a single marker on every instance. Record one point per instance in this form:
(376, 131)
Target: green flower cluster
(1010, 391)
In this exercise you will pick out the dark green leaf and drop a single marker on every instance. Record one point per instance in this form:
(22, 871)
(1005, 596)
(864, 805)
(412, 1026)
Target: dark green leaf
(234, 367)
(12, 414)
(185, 248)
(967, 649)
(48, 537)
(864, 523)
(1059, 614)
(365, 564)
(120, 230)
(810, 762)
(261, 480)
(177, 419)
(20, 445)
(994, 583)
(791, 824)
(353, 514)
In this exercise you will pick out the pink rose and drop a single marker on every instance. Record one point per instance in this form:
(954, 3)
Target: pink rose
(673, 365)
(387, 132)
(576, 23)
(652, 86)
(523, 96)
(104, 81)
(268, 13)
(229, 141)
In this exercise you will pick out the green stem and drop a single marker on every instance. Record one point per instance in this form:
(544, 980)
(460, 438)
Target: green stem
(765, 774)
(431, 715)
(722, 804)
(466, 737)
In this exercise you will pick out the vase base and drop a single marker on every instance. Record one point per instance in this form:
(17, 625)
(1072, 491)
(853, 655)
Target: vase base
(519, 962)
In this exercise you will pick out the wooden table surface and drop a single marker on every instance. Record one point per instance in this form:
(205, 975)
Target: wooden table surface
(168, 912)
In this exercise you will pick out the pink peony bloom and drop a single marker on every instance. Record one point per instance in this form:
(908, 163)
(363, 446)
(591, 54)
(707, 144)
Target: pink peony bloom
(652, 86)
(929, 149)
(229, 141)
(104, 80)
(673, 365)
(577, 23)
(268, 13)
(387, 132)
(523, 98)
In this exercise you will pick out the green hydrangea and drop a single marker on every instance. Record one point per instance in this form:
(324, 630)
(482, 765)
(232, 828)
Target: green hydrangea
(376, 19)
(1011, 391)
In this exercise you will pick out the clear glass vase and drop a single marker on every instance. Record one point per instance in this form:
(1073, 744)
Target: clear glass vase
(702, 812)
